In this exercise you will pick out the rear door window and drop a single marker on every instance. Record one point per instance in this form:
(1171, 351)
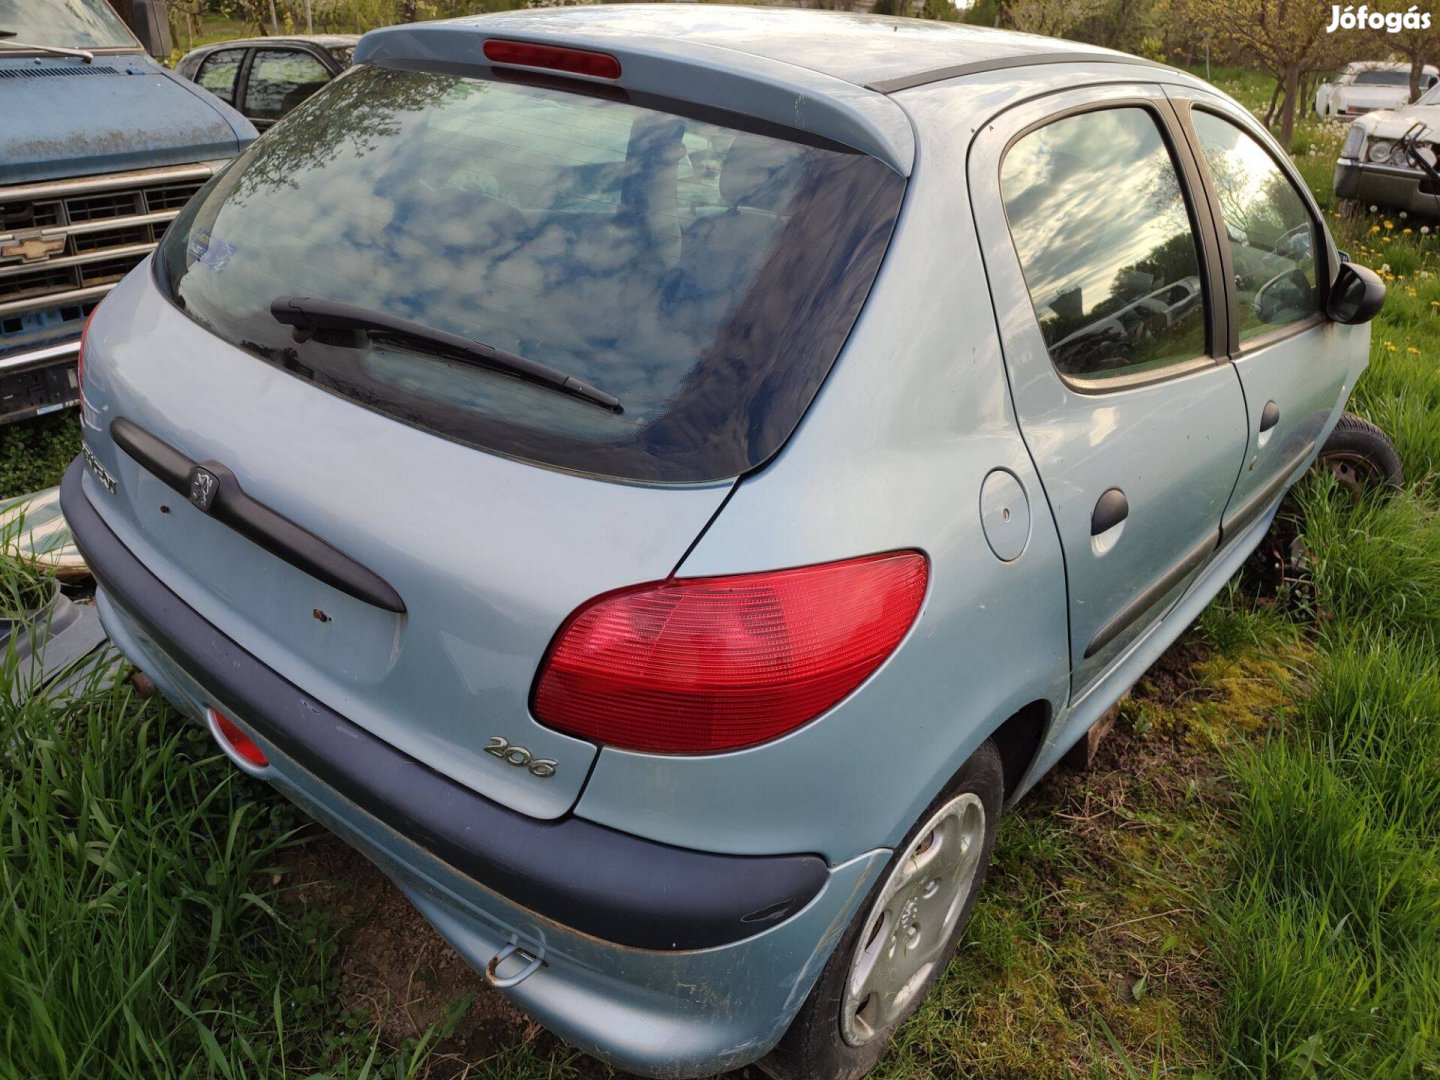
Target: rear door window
(702, 268)
(279, 80)
(1104, 237)
(218, 71)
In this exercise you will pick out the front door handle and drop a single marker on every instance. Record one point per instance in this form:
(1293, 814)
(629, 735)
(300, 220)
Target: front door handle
(1111, 509)
(1269, 416)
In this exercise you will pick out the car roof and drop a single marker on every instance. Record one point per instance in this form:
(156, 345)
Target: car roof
(1357, 66)
(867, 50)
(325, 41)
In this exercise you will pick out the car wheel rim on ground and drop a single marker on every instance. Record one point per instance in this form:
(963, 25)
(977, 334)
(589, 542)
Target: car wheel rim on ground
(911, 922)
(1355, 473)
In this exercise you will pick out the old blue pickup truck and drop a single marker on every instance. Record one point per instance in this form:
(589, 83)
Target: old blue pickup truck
(100, 147)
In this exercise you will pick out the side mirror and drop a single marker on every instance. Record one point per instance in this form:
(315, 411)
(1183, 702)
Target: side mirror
(1356, 295)
(149, 22)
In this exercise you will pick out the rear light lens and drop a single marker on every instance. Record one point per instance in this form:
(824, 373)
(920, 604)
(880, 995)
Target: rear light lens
(241, 743)
(553, 58)
(701, 665)
(80, 356)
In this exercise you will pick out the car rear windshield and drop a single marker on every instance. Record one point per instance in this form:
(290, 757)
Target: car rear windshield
(703, 269)
(1382, 78)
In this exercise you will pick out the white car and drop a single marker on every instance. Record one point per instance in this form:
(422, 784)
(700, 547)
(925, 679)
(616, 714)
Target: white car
(1378, 165)
(1364, 87)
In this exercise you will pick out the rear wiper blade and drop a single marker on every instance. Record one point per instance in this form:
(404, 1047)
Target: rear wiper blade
(54, 50)
(308, 314)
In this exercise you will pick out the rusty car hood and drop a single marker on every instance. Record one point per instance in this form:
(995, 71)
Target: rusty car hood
(66, 118)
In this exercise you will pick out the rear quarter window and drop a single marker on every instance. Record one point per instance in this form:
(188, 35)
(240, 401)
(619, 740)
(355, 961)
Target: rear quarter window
(702, 268)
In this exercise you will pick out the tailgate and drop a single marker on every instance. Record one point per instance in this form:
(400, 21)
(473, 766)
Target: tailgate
(489, 555)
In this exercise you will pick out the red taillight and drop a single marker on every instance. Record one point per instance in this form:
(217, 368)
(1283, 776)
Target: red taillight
(80, 356)
(699, 665)
(553, 58)
(241, 743)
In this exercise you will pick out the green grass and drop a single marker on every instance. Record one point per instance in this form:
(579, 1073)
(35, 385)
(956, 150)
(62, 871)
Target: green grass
(141, 936)
(1246, 885)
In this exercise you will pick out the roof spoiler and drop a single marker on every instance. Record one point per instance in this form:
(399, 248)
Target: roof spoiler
(688, 71)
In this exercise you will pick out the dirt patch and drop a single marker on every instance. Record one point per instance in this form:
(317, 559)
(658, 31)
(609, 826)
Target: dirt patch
(395, 969)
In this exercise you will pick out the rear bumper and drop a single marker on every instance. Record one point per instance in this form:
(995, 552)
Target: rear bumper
(658, 959)
(1384, 185)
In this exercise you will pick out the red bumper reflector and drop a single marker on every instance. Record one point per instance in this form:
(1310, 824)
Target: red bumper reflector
(701, 665)
(241, 743)
(553, 58)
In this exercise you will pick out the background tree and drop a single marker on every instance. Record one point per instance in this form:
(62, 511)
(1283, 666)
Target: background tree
(1284, 37)
(1053, 18)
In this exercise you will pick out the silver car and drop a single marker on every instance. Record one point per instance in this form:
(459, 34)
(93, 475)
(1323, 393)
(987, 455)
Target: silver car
(661, 480)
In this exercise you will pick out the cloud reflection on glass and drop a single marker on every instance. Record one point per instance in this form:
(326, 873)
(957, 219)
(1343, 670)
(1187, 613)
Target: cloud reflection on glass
(1104, 237)
(704, 275)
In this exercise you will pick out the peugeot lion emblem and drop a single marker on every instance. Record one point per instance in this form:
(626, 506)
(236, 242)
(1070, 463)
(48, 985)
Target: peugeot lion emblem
(203, 486)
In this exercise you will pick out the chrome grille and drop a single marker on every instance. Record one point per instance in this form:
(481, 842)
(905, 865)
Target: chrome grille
(106, 225)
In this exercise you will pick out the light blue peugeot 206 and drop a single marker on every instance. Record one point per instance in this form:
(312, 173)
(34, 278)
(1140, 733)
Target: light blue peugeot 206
(660, 480)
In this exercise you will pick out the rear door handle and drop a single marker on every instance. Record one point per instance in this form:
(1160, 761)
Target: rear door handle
(1111, 509)
(1269, 416)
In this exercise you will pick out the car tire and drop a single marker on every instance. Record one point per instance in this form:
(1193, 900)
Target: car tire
(1361, 457)
(830, 1038)
(1350, 209)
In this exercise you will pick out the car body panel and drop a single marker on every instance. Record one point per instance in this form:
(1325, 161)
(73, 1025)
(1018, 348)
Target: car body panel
(853, 48)
(892, 454)
(1306, 371)
(1183, 433)
(442, 679)
(84, 122)
(673, 1014)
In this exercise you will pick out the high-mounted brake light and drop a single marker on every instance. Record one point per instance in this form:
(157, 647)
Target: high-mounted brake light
(241, 743)
(701, 665)
(552, 58)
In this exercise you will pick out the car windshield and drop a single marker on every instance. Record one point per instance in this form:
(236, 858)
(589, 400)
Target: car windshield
(72, 24)
(702, 268)
(1430, 97)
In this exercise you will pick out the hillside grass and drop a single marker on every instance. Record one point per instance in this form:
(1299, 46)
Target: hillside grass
(1246, 884)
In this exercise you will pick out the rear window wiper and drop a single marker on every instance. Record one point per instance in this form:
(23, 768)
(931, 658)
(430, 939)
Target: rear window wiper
(308, 314)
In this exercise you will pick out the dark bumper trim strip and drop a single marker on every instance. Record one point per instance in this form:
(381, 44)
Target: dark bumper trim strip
(1258, 502)
(1191, 561)
(602, 882)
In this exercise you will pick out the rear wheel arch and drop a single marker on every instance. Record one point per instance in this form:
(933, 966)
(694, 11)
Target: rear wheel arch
(1019, 739)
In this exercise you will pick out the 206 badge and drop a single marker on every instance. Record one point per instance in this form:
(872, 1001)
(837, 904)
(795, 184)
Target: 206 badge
(518, 756)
